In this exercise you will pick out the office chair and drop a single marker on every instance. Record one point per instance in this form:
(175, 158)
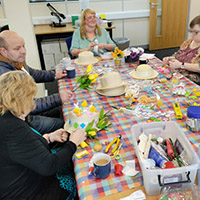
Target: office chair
(69, 42)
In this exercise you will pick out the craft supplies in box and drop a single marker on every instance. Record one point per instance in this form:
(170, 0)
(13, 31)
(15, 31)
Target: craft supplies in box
(156, 178)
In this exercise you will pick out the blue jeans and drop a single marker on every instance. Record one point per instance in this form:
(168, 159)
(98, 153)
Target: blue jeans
(44, 124)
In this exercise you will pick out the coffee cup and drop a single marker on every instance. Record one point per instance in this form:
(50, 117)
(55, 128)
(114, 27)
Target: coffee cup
(66, 62)
(102, 165)
(109, 23)
(143, 61)
(71, 72)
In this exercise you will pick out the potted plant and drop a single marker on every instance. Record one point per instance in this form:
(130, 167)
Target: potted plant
(132, 54)
(117, 56)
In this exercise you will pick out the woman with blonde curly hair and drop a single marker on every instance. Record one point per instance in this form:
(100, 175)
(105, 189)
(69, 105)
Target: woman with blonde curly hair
(89, 35)
(27, 166)
(187, 59)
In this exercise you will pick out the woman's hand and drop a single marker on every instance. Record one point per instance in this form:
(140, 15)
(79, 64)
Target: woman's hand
(77, 137)
(167, 59)
(91, 46)
(59, 135)
(175, 64)
(101, 46)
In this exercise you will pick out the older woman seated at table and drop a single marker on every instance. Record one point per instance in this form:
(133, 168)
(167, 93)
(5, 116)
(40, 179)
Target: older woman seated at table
(89, 35)
(27, 166)
(187, 59)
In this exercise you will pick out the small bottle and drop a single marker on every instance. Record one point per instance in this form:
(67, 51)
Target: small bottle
(160, 161)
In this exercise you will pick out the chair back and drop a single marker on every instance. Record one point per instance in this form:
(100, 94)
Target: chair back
(69, 42)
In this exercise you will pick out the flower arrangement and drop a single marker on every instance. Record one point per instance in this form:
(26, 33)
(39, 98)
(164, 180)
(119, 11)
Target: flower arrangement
(133, 53)
(117, 53)
(87, 80)
(102, 124)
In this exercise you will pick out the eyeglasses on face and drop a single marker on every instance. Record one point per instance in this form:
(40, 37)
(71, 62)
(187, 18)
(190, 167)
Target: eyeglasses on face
(195, 32)
(90, 17)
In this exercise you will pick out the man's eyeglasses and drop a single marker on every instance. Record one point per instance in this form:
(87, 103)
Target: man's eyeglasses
(195, 32)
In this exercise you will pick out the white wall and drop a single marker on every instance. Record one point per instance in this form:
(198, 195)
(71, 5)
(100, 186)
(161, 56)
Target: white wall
(21, 22)
(136, 20)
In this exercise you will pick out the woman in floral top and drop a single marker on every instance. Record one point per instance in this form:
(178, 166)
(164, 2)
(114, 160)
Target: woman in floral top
(187, 59)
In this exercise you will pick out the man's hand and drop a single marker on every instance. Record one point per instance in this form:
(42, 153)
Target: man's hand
(60, 74)
(66, 96)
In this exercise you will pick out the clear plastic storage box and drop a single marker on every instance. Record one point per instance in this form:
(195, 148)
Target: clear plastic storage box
(155, 179)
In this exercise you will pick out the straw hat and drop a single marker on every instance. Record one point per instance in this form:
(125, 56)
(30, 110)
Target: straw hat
(144, 72)
(111, 85)
(86, 58)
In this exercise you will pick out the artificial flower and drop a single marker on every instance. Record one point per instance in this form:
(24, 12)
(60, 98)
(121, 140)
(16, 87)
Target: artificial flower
(92, 133)
(117, 53)
(91, 77)
(134, 52)
(86, 80)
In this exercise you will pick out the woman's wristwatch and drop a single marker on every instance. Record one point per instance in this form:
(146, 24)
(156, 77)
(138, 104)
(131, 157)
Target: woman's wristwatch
(183, 65)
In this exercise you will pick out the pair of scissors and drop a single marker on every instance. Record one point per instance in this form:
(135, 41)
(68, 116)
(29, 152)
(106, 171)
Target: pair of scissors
(115, 140)
(116, 154)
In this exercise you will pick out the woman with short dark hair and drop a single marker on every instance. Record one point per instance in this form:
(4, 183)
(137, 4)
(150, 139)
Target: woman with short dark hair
(187, 59)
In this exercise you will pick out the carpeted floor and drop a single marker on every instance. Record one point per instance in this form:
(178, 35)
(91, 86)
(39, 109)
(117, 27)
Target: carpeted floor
(53, 87)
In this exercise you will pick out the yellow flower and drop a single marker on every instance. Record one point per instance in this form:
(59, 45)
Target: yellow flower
(93, 109)
(93, 81)
(83, 144)
(114, 55)
(96, 75)
(76, 110)
(121, 52)
(92, 133)
(116, 49)
(89, 68)
(84, 104)
(91, 77)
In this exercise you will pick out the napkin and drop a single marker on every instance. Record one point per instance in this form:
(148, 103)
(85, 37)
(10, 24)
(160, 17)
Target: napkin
(138, 195)
(146, 56)
(129, 169)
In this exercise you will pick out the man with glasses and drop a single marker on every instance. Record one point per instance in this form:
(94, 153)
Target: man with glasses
(187, 59)
(89, 35)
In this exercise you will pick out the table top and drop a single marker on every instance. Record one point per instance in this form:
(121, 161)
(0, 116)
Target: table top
(47, 29)
(115, 187)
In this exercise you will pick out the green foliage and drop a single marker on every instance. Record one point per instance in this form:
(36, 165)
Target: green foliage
(84, 82)
(102, 124)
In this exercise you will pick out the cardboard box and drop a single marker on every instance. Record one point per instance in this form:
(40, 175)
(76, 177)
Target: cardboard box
(49, 61)
(50, 47)
(58, 57)
(63, 46)
(155, 179)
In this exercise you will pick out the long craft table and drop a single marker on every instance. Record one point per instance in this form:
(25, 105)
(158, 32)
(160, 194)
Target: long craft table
(115, 187)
